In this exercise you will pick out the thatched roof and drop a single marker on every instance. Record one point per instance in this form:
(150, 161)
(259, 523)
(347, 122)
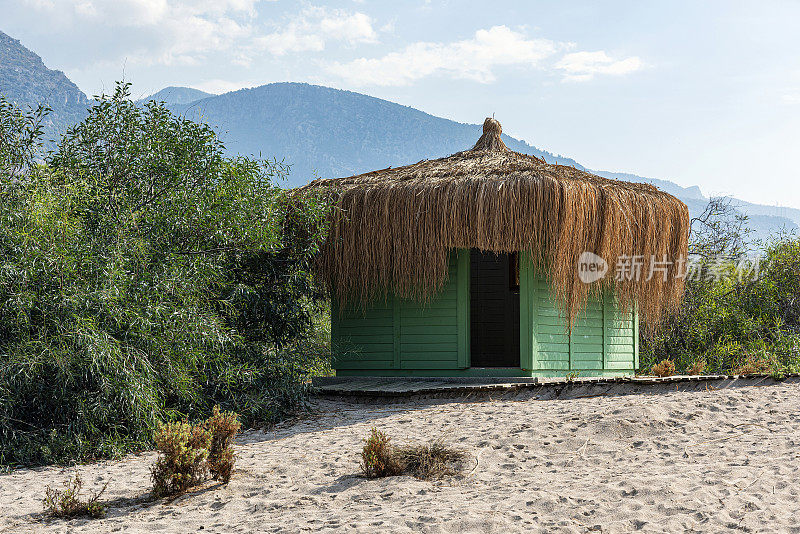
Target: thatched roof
(391, 230)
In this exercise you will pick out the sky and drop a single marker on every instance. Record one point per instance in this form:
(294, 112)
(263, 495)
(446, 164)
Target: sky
(697, 92)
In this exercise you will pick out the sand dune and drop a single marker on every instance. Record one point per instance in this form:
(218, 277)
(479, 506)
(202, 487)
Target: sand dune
(662, 459)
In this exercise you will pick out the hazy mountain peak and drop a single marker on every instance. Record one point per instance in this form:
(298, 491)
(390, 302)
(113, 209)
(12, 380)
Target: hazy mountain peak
(178, 95)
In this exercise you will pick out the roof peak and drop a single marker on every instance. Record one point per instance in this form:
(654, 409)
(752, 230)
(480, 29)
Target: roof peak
(490, 140)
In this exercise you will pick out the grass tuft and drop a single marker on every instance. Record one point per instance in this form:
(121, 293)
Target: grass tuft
(67, 503)
(427, 461)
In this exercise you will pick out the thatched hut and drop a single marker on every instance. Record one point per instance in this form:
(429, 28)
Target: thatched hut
(469, 265)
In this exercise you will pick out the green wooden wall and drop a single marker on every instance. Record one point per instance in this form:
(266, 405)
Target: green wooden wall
(403, 337)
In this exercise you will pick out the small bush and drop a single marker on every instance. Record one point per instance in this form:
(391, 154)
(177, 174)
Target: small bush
(697, 367)
(433, 460)
(67, 502)
(223, 427)
(182, 463)
(663, 368)
(377, 458)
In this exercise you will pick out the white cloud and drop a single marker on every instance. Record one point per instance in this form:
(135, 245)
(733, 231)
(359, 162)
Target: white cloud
(471, 59)
(179, 31)
(583, 66)
(186, 31)
(314, 28)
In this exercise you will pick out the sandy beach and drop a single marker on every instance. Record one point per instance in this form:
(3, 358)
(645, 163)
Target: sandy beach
(669, 457)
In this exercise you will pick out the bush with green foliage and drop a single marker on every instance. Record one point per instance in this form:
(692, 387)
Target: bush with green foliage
(181, 464)
(146, 276)
(222, 427)
(736, 323)
(189, 453)
(377, 456)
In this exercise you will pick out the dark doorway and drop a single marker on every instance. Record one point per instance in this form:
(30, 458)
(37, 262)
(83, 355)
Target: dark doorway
(494, 309)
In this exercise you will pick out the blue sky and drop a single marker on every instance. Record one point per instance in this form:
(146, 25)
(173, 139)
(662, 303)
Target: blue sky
(701, 93)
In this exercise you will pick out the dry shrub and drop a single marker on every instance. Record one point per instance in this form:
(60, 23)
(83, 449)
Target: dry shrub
(67, 502)
(663, 368)
(433, 460)
(753, 366)
(223, 427)
(377, 458)
(698, 367)
(182, 463)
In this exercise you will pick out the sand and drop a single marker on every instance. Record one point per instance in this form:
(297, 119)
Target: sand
(661, 459)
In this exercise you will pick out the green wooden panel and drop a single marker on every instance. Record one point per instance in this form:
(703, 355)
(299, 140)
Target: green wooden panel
(429, 332)
(619, 339)
(553, 365)
(413, 364)
(450, 346)
(587, 349)
(345, 347)
(552, 338)
(620, 349)
(583, 365)
(365, 330)
(589, 330)
(369, 315)
(397, 358)
(587, 339)
(545, 356)
(426, 356)
(450, 320)
(554, 347)
(635, 313)
(425, 330)
(365, 364)
(552, 329)
(426, 312)
(620, 365)
(428, 338)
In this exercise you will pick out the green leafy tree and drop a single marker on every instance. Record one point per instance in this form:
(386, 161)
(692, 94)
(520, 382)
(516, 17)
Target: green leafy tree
(144, 275)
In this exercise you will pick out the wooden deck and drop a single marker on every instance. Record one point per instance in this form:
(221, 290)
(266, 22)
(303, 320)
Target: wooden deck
(421, 386)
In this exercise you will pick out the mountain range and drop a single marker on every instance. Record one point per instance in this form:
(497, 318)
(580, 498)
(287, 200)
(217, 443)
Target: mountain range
(320, 131)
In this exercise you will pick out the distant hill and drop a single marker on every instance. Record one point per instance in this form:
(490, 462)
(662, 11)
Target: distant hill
(177, 95)
(26, 80)
(329, 133)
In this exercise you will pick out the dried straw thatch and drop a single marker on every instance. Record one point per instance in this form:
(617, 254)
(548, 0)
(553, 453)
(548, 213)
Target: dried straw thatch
(391, 230)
